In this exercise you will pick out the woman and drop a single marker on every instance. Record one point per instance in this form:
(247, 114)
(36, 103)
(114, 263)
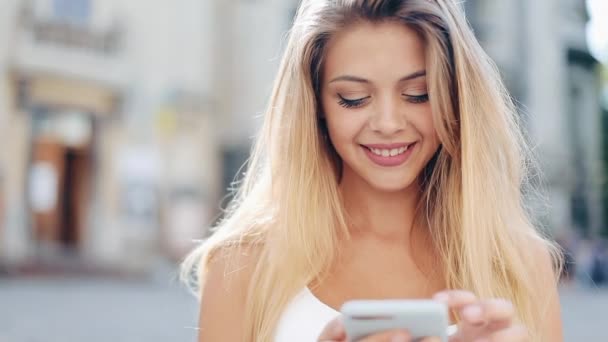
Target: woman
(389, 165)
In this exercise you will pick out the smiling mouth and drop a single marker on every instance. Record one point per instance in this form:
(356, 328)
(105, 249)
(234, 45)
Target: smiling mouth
(389, 150)
(392, 155)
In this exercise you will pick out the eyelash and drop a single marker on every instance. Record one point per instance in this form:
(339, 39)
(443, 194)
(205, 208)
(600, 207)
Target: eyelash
(351, 103)
(418, 98)
(415, 99)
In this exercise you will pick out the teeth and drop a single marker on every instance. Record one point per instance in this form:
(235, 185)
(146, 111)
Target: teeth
(388, 153)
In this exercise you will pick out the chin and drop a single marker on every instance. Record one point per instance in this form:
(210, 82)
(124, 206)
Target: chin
(387, 185)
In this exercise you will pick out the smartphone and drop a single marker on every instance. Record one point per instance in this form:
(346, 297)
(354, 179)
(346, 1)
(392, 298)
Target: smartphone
(422, 318)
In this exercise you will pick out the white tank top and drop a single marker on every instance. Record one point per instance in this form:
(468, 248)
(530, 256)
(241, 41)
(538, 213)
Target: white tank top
(304, 318)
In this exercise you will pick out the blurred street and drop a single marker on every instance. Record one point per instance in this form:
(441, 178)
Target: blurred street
(584, 314)
(52, 310)
(96, 310)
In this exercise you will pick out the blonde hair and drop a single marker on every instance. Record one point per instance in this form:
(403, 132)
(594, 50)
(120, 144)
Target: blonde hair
(289, 206)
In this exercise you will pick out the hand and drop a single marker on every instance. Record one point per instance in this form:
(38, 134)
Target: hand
(483, 320)
(334, 332)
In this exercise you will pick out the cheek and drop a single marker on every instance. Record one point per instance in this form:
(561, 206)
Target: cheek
(344, 126)
(425, 125)
(339, 131)
(426, 129)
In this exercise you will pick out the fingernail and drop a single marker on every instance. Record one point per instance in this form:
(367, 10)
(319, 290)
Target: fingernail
(442, 297)
(504, 304)
(399, 338)
(472, 313)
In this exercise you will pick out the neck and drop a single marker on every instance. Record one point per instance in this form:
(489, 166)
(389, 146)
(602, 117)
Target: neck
(388, 216)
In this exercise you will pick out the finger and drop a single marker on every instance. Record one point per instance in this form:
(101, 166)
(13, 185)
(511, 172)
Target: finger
(388, 336)
(456, 299)
(334, 331)
(485, 318)
(516, 333)
(500, 314)
(431, 339)
(495, 313)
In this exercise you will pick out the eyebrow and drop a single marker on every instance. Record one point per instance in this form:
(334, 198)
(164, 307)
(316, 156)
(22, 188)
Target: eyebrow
(350, 78)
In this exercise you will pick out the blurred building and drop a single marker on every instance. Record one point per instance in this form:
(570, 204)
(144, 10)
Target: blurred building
(124, 122)
(541, 48)
(249, 38)
(110, 154)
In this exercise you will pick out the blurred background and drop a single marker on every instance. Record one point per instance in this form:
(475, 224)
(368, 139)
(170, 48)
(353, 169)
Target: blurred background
(123, 124)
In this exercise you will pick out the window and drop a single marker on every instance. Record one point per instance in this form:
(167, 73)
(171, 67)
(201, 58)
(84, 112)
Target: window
(73, 11)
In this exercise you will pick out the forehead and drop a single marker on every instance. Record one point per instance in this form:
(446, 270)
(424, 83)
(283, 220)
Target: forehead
(374, 50)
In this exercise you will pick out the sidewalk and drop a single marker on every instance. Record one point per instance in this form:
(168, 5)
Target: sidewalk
(95, 309)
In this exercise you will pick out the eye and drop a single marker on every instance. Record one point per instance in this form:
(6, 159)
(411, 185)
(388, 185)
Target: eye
(351, 103)
(416, 98)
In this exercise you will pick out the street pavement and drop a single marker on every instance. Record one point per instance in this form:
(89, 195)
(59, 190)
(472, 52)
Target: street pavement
(73, 309)
(585, 314)
(95, 310)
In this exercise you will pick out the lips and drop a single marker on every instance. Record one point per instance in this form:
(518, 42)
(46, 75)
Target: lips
(389, 155)
(388, 146)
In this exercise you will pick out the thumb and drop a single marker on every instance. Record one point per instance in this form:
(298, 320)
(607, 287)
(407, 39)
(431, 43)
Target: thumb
(333, 331)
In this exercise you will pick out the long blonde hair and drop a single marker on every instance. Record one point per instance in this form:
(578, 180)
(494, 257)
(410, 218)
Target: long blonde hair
(289, 207)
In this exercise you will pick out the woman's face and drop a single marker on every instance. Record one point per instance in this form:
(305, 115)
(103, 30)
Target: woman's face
(375, 102)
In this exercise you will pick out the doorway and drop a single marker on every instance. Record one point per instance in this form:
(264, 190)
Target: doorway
(59, 188)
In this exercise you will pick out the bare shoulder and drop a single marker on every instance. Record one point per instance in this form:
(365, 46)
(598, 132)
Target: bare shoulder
(548, 261)
(224, 292)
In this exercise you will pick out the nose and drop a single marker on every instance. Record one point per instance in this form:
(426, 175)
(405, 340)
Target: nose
(388, 117)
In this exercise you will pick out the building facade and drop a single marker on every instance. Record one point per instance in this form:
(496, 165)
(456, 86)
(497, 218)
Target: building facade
(110, 154)
(124, 125)
(541, 50)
